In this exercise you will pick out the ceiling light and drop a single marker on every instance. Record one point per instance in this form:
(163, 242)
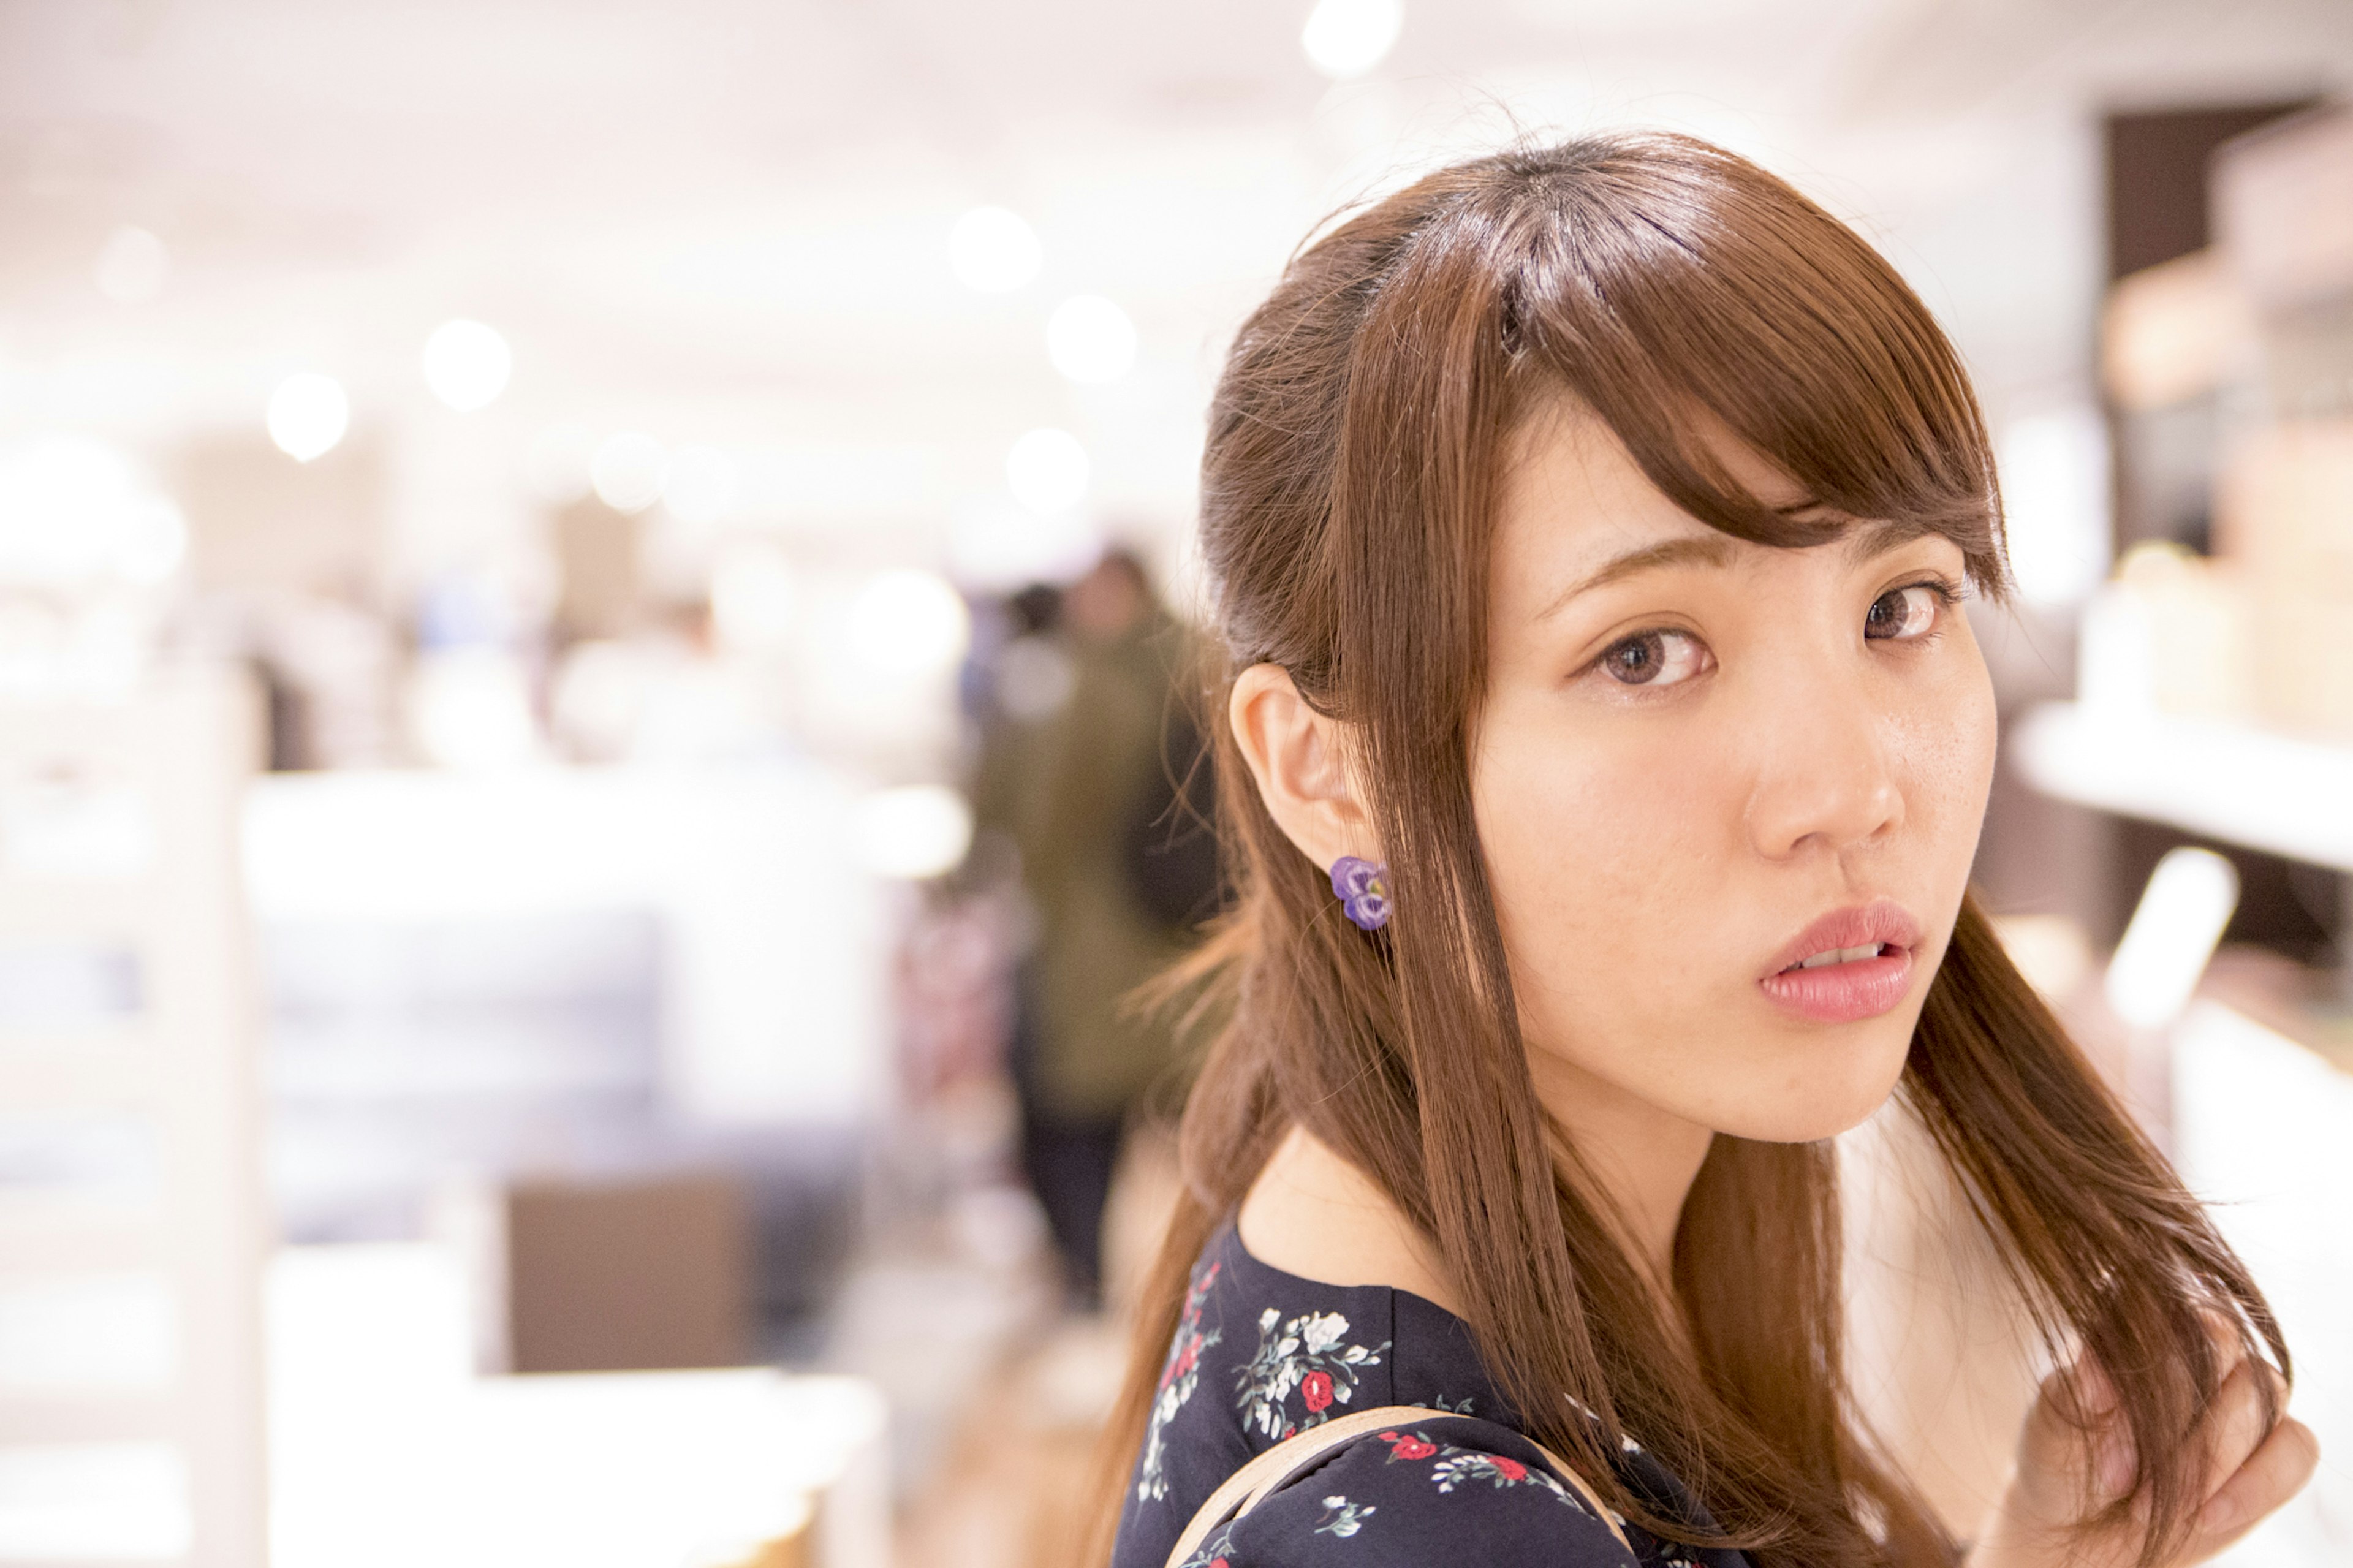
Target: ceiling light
(1090, 339)
(629, 470)
(1048, 470)
(131, 267)
(993, 250)
(466, 365)
(1347, 38)
(308, 415)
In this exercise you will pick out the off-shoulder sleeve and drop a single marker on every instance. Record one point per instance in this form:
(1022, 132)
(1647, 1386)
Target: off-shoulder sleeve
(1445, 1491)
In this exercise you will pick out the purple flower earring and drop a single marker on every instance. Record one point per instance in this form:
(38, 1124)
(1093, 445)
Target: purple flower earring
(1363, 889)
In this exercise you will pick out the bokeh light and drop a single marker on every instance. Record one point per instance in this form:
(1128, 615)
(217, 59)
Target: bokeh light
(1345, 38)
(913, 832)
(132, 266)
(557, 466)
(1048, 470)
(308, 415)
(994, 251)
(753, 597)
(466, 365)
(702, 485)
(1090, 339)
(909, 623)
(629, 470)
(74, 510)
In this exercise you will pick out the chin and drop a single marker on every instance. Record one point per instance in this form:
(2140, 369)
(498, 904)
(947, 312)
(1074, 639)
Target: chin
(1819, 1102)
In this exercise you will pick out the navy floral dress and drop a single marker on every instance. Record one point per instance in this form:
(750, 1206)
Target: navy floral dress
(1261, 1354)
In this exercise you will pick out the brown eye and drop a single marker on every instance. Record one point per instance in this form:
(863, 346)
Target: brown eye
(1654, 659)
(1902, 614)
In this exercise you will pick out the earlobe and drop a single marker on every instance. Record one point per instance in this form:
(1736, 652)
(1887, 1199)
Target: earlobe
(1301, 761)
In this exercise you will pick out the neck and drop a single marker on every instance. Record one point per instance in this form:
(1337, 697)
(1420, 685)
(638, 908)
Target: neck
(1642, 1159)
(1311, 1214)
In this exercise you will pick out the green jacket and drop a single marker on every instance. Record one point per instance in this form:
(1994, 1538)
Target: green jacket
(1068, 790)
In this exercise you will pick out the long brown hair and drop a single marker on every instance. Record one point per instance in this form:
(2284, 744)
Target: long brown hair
(1348, 486)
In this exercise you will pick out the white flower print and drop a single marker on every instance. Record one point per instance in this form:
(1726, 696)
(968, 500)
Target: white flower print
(1180, 1374)
(1212, 1551)
(1345, 1518)
(1304, 1356)
(1319, 1332)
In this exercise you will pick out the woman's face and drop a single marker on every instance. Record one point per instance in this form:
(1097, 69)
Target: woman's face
(1728, 792)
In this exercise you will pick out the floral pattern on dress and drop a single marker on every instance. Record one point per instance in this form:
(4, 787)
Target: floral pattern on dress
(1211, 1554)
(1180, 1374)
(1342, 1517)
(1304, 1356)
(1459, 1467)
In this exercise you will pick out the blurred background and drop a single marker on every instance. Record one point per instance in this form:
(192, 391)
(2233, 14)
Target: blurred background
(588, 602)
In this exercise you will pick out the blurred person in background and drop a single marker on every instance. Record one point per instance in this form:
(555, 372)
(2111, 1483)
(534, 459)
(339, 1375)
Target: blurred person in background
(1082, 767)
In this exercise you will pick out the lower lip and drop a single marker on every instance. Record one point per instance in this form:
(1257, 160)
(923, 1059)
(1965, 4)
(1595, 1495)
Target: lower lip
(1843, 993)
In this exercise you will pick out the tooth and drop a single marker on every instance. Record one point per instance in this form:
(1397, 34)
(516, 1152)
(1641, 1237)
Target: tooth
(1819, 961)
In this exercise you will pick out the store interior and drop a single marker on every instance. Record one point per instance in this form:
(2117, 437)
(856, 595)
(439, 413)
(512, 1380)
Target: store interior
(546, 552)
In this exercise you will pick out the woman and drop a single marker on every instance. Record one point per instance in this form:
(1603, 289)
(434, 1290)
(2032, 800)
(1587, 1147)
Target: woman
(1588, 527)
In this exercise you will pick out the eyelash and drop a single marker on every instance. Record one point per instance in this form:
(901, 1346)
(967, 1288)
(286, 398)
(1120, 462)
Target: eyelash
(1946, 594)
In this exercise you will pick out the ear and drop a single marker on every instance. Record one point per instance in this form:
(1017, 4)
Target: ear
(1301, 761)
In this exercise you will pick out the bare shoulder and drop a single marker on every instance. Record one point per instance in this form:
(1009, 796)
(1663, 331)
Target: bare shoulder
(1312, 1213)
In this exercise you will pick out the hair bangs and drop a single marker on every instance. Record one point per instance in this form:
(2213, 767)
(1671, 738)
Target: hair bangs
(1703, 311)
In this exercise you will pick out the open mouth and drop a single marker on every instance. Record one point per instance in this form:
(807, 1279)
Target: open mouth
(1849, 964)
(1844, 955)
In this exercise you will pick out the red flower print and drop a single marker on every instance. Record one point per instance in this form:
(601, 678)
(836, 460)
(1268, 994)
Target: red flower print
(1316, 1388)
(1510, 1469)
(1187, 1356)
(1405, 1446)
(1220, 1562)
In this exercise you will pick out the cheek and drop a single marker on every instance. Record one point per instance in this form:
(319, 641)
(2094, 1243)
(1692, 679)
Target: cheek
(1949, 742)
(1601, 855)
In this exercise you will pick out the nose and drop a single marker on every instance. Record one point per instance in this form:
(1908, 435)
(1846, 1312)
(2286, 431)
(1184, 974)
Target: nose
(1826, 780)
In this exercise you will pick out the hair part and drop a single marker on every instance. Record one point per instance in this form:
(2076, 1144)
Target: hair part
(1349, 484)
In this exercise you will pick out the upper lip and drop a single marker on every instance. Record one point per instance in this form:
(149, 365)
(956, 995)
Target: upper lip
(1883, 922)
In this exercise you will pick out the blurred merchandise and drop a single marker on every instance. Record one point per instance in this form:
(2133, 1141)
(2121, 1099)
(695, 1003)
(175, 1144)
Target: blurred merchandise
(618, 1275)
(2284, 515)
(572, 973)
(2174, 333)
(2279, 200)
(132, 1216)
(2169, 635)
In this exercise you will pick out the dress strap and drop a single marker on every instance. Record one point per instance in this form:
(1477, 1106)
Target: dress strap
(1249, 1485)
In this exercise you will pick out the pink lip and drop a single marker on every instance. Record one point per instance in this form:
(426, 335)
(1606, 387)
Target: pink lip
(1843, 992)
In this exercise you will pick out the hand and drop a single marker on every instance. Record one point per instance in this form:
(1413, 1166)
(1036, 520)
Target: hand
(2075, 1458)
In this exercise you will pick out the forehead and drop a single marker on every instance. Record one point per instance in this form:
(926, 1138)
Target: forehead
(1575, 509)
(1572, 500)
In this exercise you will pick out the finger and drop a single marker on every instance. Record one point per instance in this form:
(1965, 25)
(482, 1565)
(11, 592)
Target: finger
(2236, 1421)
(2075, 1453)
(2274, 1472)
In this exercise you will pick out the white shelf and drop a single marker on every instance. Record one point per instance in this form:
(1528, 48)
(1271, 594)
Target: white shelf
(2229, 782)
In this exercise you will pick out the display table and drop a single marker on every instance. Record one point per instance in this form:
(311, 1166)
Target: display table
(385, 1450)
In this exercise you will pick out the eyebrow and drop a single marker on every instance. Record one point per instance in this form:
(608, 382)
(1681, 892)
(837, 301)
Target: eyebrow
(1875, 537)
(1712, 550)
